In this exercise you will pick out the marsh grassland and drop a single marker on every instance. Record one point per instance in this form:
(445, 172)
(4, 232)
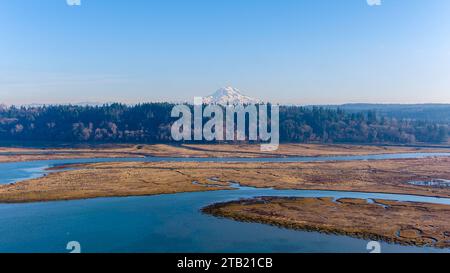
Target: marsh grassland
(9, 154)
(148, 178)
(419, 224)
(101, 180)
(400, 222)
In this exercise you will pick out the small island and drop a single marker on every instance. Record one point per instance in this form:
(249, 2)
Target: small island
(419, 224)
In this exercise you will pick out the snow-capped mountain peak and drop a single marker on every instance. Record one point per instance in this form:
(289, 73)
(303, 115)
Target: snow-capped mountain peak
(229, 95)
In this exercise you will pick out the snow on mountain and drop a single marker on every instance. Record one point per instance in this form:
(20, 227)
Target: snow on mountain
(229, 95)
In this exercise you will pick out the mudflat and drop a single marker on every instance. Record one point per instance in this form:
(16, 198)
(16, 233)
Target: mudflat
(407, 223)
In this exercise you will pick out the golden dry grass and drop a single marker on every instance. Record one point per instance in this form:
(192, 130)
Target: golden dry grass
(101, 181)
(200, 150)
(289, 150)
(401, 222)
(145, 178)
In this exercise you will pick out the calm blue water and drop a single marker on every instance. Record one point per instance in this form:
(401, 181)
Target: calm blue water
(167, 223)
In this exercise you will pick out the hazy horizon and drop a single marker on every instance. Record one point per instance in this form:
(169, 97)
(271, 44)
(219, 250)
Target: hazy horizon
(128, 102)
(294, 52)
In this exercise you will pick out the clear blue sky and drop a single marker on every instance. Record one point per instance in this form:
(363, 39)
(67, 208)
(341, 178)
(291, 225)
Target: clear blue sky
(290, 51)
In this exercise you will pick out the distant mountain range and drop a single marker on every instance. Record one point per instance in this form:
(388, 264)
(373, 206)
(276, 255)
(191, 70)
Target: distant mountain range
(233, 96)
(428, 112)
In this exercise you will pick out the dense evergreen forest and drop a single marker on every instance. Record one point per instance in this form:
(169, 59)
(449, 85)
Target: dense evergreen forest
(429, 112)
(151, 123)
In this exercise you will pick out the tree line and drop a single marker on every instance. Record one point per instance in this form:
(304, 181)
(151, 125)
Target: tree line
(151, 123)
